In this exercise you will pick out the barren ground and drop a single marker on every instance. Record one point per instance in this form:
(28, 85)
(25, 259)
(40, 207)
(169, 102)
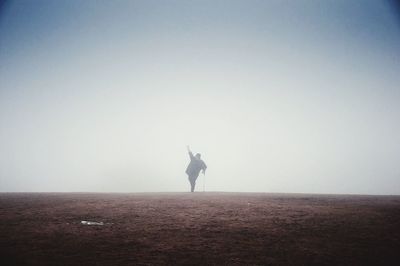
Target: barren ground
(199, 228)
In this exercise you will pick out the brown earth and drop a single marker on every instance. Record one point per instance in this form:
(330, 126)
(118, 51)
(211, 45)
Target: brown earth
(199, 228)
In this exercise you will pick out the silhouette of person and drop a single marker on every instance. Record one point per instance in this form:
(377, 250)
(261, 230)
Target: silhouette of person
(195, 166)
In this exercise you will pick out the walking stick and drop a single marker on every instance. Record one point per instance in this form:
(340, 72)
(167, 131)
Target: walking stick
(204, 182)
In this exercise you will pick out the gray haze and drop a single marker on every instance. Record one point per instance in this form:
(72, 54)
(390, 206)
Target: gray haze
(278, 96)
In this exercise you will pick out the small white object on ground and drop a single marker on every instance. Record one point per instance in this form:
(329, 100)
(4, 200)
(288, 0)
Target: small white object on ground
(91, 223)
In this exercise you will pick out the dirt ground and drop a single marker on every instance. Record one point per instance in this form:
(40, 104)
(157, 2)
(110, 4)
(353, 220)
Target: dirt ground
(199, 228)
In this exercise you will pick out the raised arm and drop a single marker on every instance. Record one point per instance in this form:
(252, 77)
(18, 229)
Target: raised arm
(190, 153)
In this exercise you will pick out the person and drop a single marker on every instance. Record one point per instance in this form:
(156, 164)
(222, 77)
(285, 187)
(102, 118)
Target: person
(195, 166)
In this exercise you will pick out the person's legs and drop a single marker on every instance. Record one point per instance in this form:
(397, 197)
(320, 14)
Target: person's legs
(192, 185)
(192, 180)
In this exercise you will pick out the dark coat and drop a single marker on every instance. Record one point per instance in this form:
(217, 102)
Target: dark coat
(195, 166)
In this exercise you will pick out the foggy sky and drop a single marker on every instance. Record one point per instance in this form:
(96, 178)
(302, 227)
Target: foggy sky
(277, 96)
